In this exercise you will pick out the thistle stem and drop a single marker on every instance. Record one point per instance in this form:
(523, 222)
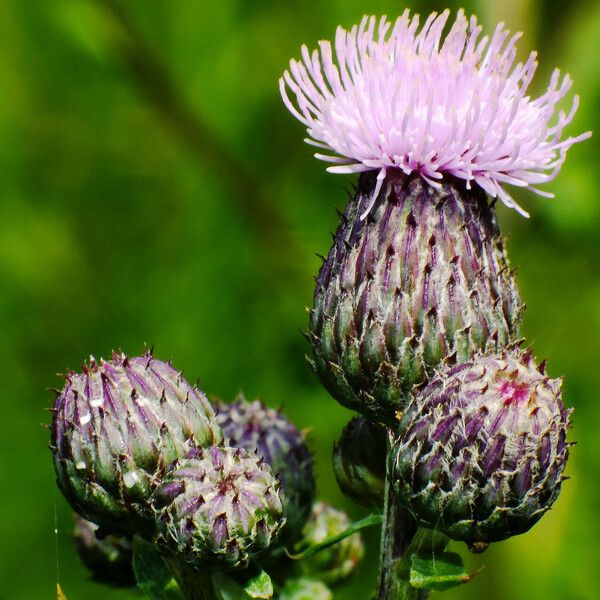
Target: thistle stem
(194, 585)
(397, 532)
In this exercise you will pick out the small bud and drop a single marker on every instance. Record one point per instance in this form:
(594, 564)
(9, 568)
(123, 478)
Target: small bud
(337, 563)
(421, 281)
(255, 427)
(108, 559)
(114, 427)
(218, 510)
(359, 461)
(482, 449)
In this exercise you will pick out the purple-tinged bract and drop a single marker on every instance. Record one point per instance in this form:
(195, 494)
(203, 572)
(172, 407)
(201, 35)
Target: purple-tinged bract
(255, 427)
(424, 279)
(396, 96)
(359, 461)
(115, 426)
(482, 448)
(220, 509)
(109, 559)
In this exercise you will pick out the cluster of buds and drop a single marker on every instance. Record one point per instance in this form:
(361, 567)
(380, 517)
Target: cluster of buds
(139, 451)
(416, 317)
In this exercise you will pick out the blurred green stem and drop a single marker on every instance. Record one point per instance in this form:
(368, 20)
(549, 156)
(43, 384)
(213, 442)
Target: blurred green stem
(246, 190)
(195, 585)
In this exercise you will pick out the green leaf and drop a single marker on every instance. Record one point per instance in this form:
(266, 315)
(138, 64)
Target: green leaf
(438, 572)
(258, 585)
(152, 574)
(354, 528)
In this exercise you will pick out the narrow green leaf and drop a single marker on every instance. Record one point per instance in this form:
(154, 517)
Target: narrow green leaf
(152, 574)
(438, 572)
(354, 528)
(227, 588)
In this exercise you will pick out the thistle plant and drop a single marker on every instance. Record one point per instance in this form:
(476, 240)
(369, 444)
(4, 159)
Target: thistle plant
(416, 321)
(416, 326)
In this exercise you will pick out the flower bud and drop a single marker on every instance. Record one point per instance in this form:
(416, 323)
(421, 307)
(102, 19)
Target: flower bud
(416, 276)
(114, 427)
(255, 427)
(359, 461)
(218, 510)
(482, 448)
(335, 564)
(108, 559)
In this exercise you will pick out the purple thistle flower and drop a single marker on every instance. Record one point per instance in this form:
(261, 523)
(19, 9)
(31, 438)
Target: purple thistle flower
(396, 96)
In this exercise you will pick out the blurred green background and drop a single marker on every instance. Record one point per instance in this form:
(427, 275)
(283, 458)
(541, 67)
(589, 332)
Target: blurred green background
(154, 189)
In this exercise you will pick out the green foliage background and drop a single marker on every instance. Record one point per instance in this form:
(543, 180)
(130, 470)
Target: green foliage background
(154, 189)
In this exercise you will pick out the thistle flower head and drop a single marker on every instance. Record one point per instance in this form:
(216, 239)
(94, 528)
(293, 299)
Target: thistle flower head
(399, 96)
(218, 509)
(256, 427)
(115, 426)
(482, 448)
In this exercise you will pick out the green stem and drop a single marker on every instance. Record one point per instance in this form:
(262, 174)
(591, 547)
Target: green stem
(397, 532)
(194, 585)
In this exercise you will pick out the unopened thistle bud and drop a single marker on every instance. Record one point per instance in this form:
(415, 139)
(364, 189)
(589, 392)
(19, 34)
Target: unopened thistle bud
(255, 427)
(114, 427)
(108, 559)
(417, 272)
(482, 448)
(359, 461)
(337, 563)
(218, 510)
(423, 279)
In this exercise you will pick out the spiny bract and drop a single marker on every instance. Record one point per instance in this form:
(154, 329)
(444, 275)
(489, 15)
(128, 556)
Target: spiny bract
(482, 448)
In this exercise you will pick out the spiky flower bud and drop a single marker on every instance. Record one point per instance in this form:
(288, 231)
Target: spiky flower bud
(115, 426)
(483, 447)
(108, 559)
(337, 563)
(423, 279)
(219, 509)
(359, 461)
(255, 427)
